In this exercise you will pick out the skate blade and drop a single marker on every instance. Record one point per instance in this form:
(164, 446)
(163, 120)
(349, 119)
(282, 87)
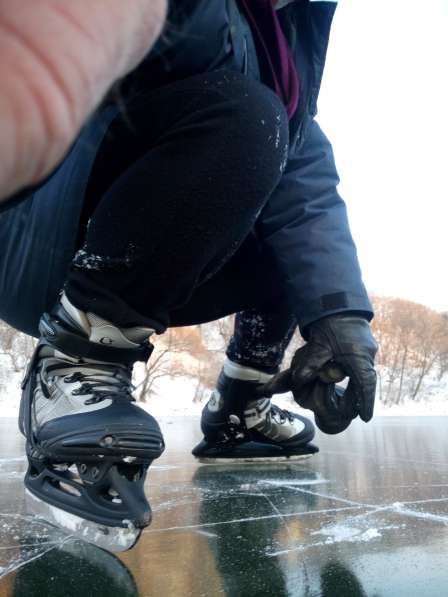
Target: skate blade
(113, 539)
(254, 460)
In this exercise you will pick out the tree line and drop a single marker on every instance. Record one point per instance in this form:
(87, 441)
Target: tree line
(412, 359)
(413, 348)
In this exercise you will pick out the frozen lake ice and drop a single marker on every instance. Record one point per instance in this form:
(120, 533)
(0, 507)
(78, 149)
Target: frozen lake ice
(366, 517)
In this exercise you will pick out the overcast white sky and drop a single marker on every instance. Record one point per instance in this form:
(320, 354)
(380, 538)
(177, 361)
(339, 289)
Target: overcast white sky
(384, 105)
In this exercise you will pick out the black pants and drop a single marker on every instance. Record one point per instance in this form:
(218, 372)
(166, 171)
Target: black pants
(169, 227)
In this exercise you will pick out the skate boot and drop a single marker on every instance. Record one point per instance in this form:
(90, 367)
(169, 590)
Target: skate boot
(88, 444)
(239, 426)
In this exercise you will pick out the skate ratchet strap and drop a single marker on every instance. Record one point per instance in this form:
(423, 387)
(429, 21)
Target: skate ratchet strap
(55, 333)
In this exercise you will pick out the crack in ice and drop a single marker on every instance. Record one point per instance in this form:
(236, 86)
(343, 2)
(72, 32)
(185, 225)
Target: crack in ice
(250, 519)
(386, 458)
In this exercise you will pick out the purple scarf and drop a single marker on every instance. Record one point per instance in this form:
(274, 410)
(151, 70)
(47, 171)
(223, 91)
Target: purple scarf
(276, 62)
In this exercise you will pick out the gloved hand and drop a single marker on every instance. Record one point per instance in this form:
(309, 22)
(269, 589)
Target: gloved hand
(338, 346)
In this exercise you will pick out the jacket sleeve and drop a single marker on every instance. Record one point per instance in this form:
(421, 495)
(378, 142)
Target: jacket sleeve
(304, 228)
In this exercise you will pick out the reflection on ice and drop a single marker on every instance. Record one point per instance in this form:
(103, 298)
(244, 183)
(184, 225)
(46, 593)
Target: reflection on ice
(365, 517)
(23, 539)
(9, 461)
(12, 465)
(38, 553)
(12, 469)
(11, 475)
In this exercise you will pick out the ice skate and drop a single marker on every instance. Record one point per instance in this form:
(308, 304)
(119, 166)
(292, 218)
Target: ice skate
(240, 427)
(89, 445)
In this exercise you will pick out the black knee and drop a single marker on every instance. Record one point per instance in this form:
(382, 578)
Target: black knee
(256, 122)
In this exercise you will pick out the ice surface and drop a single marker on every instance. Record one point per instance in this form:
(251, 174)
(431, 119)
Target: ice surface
(24, 539)
(367, 517)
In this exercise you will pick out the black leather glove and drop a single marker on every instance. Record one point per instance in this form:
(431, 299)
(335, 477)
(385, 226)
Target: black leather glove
(338, 346)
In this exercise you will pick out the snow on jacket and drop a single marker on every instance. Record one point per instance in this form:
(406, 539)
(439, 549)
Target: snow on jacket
(304, 225)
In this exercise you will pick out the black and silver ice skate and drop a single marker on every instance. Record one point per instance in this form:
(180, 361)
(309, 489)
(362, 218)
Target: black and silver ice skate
(239, 426)
(89, 445)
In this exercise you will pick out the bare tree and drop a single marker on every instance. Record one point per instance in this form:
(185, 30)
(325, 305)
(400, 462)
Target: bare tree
(443, 357)
(174, 356)
(17, 347)
(413, 342)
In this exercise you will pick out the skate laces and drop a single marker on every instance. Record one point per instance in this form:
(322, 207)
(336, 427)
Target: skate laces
(280, 415)
(273, 413)
(103, 382)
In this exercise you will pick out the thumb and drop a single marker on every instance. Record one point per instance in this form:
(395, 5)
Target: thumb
(279, 384)
(308, 362)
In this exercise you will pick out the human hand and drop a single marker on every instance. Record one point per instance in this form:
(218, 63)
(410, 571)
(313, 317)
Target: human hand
(338, 346)
(59, 58)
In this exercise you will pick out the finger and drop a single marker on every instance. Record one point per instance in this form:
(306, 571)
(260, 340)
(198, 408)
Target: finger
(331, 373)
(361, 392)
(324, 400)
(309, 362)
(279, 384)
(343, 403)
(367, 404)
(304, 396)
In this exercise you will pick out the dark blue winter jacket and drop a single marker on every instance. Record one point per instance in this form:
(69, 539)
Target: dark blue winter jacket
(304, 225)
